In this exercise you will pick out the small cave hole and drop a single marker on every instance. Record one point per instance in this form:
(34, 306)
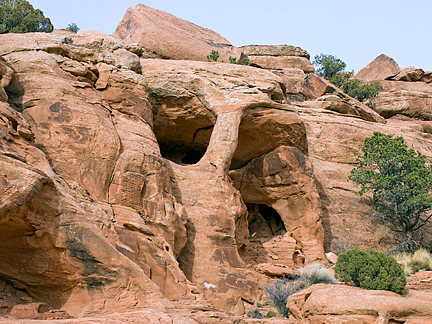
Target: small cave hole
(167, 248)
(192, 157)
(264, 222)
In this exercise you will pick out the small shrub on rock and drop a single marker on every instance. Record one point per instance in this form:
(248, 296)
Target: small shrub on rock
(316, 273)
(213, 57)
(254, 313)
(232, 60)
(73, 27)
(371, 270)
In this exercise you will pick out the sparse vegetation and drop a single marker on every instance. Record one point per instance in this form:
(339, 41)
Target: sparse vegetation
(254, 313)
(414, 262)
(370, 269)
(400, 182)
(332, 69)
(352, 87)
(343, 244)
(272, 313)
(278, 291)
(317, 273)
(19, 16)
(233, 60)
(73, 27)
(246, 61)
(213, 57)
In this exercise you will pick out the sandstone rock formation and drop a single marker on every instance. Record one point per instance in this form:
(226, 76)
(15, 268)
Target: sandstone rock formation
(343, 304)
(412, 99)
(162, 35)
(381, 68)
(405, 91)
(129, 183)
(324, 95)
(206, 114)
(279, 57)
(127, 201)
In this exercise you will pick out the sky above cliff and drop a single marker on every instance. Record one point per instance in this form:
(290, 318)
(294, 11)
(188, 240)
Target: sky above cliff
(355, 31)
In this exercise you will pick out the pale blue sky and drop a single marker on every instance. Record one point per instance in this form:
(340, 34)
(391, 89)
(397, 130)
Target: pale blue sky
(353, 30)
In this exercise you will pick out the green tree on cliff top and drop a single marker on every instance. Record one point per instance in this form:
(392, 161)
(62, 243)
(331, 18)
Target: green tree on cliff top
(19, 16)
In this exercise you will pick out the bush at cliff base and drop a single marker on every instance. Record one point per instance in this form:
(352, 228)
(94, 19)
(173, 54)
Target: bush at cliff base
(370, 269)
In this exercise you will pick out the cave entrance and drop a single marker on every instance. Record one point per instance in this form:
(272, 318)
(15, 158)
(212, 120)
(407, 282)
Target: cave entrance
(182, 139)
(264, 222)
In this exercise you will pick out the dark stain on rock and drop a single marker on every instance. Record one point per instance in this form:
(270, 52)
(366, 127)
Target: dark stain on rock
(80, 134)
(55, 107)
(300, 158)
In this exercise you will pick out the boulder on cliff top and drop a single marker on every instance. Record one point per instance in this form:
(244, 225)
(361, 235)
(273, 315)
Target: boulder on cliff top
(409, 74)
(274, 50)
(381, 68)
(165, 36)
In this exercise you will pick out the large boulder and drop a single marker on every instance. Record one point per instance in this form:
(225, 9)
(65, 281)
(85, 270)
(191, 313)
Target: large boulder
(343, 304)
(279, 57)
(381, 68)
(409, 74)
(412, 99)
(165, 36)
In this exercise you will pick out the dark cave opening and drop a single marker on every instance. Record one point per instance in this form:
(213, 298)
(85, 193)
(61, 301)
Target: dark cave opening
(183, 140)
(192, 157)
(264, 222)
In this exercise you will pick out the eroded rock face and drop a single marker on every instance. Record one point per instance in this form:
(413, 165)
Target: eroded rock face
(207, 114)
(162, 35)
(58, 208)
(334, 143)
(116, 185)
(412, 99)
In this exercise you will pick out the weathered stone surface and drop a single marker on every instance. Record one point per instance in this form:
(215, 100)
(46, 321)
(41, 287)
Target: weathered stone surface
(282, 180)
(6, 77)
(282, 62)
(332, 257)
(342, 304)
(122, 204)
(427, 77)
(57, 225)
(224, 102)
(381, 68)
(292, 79)
(324, 95)
(409, 74)
(169, 37)
(412, 99)
(274, 50)
(334, 142)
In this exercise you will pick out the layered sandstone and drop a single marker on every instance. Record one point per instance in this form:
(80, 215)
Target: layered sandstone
(279, 57)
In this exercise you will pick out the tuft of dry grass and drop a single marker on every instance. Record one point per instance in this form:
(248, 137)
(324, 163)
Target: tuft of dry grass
(412, 263)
